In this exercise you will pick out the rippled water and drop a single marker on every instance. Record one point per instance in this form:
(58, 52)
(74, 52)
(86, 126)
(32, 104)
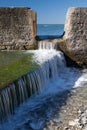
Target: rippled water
(50, 29)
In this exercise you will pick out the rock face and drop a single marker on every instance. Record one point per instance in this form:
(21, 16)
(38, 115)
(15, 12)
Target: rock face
(17, 28)
(75, 38)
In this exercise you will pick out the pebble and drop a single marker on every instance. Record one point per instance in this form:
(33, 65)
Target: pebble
(72, 123)
(79, 111)
(84, 120)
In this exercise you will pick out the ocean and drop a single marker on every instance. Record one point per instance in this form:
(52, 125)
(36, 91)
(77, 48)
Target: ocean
(50, 29)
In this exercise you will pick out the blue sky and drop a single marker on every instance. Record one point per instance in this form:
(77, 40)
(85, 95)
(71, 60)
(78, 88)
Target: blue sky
(48, 11)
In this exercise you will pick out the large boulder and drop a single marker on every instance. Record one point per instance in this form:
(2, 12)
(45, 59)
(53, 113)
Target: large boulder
(75, 37)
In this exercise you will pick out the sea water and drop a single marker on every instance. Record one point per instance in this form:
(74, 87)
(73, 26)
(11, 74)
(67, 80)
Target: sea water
(50, 29)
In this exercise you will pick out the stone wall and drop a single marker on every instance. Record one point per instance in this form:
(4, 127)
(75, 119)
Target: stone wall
(75, 38)
(17, 28)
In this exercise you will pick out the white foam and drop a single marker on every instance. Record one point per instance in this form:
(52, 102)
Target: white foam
(42, 56)
(81, 81)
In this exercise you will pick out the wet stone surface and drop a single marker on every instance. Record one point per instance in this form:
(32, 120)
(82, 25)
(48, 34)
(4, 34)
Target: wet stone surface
(73, 115)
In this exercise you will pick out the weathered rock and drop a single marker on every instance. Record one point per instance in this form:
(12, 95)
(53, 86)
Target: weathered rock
(17, 28)
(75, 37)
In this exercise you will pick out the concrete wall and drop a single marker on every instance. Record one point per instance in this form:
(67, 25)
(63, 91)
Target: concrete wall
(75, 38)
(17, 28)
(76, 24)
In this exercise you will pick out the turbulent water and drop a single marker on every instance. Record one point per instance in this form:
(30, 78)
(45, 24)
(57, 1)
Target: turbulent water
(53, 78)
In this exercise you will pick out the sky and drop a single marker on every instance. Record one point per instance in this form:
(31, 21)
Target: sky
(48, 11)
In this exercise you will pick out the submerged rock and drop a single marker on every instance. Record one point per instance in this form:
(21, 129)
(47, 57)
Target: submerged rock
(75, 37)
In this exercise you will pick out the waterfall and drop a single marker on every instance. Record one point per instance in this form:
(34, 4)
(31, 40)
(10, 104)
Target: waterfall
(47, 45)
(51, 62)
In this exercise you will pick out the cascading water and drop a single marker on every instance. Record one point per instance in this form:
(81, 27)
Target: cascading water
(48, 46)
(52, 77)
(21, 89)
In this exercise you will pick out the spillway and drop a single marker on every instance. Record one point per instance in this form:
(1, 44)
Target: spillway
(18, 91)
(52, 77)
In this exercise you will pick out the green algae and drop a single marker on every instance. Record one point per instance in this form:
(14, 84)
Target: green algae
(14, 64)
